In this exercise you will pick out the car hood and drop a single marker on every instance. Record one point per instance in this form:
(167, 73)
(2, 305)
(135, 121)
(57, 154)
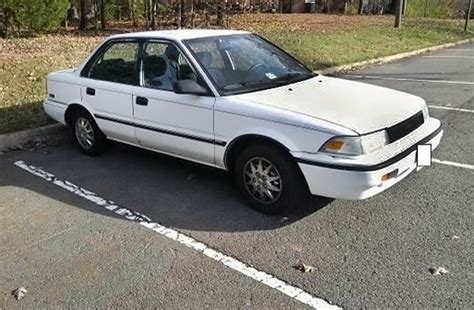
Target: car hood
(358, 106)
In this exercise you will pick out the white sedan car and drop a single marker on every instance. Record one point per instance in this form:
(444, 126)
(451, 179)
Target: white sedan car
(232, 100)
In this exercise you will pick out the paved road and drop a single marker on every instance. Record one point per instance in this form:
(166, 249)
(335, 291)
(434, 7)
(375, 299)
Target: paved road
(68, 252)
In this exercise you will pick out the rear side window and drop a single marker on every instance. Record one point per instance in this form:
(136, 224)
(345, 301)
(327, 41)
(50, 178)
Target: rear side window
(117, 63)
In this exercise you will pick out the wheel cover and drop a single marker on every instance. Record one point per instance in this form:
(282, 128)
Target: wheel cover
(262, 180)
(84, 133)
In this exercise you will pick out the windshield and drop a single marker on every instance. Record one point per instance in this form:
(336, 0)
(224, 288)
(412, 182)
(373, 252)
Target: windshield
(244, 63)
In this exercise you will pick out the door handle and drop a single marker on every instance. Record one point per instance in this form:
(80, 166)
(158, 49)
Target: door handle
(141, 101)
(90, 91)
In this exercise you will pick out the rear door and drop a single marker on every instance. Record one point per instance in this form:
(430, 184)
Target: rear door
(109, 80)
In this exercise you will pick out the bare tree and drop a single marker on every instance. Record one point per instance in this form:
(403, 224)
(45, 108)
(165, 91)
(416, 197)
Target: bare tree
(361, 7)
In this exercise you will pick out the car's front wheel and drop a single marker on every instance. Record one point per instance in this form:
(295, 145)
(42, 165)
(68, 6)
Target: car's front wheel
(87, 135)
(269, 179)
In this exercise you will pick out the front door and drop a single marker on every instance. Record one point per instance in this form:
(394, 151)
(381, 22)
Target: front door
(172, 123)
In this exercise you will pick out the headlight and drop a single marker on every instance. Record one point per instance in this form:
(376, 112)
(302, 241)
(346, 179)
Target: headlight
(356, 145)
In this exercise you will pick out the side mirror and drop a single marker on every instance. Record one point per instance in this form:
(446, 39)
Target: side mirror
(190, 87)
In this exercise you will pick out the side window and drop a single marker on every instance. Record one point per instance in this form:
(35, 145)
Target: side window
(163, 65)
(118, 63)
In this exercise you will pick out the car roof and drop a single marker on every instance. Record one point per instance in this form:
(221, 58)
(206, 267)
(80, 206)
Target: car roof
(179, 34)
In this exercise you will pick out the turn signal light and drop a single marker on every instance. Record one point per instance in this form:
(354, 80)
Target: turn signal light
(335, 145)
(389, 175)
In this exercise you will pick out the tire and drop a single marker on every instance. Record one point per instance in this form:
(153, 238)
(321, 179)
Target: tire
(262, 172)
(87, 135)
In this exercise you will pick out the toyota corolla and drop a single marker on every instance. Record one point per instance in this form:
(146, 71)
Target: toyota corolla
(234, 101)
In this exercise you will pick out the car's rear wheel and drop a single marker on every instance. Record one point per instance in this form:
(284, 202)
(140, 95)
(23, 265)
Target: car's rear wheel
(269, 179)
(87, 135)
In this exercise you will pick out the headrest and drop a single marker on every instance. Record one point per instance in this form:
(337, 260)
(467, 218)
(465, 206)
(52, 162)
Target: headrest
(205, 58)
(172, 52)
(155, 65)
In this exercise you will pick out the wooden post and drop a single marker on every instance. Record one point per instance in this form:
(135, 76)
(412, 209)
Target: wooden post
(468, 16)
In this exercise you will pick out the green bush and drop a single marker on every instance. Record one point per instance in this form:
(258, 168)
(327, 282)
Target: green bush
(432, 8)
(39, 14)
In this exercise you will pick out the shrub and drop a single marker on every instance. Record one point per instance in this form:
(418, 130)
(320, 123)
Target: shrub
(39, 14)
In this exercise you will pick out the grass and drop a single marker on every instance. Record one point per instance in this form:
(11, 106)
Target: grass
(320, 41)
(322, 49)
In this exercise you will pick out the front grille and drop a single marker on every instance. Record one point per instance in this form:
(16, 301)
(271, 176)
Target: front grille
(400, 130)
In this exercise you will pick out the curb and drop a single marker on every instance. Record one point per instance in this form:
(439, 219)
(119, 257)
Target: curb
(14, 139)
(387, 59)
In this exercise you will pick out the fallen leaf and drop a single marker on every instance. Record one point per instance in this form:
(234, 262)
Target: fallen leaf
(438, 271)
(304, 268)
(19, 293)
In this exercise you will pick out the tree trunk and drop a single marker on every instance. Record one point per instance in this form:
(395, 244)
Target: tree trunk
(146, 12)
(182, 7)
(87, 15)
(361, 7)
(4, 22)
(102, 15)
(398, 13)
(132, 12)
(153, 13)
(468, 16)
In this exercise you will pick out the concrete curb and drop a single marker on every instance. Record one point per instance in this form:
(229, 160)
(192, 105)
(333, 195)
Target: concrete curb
(14, 139)
(387, 59)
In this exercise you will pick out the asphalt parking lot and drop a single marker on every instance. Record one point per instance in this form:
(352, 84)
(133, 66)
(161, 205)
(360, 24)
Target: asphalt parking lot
(68, 250)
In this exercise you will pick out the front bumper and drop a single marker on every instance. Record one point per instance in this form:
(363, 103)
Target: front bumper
(363, 178)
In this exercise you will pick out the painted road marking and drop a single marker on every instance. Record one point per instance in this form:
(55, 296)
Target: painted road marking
(450, 109)
(452, 56)
(409, 80)
(260, 276)
(452, 163)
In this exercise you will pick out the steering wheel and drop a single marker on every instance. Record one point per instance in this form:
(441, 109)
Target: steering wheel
(253, 69)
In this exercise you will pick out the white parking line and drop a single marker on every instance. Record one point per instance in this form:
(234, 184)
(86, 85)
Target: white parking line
(452, 56)
(260, 276)
(450, 109)
(410, 80)
(452, 163)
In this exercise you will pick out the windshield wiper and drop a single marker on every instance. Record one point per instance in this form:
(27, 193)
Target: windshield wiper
(281, 80)
(292, 75)
(251, 83)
